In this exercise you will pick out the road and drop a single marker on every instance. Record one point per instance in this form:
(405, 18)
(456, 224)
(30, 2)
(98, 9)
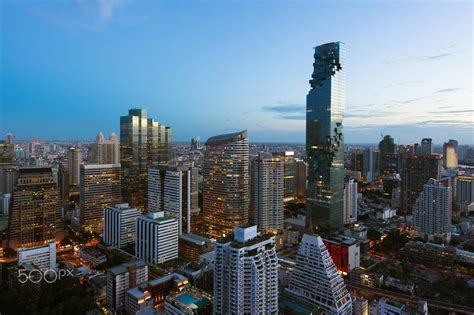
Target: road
(411, 299)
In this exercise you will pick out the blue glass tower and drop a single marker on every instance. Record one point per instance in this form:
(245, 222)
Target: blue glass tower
(324, 138)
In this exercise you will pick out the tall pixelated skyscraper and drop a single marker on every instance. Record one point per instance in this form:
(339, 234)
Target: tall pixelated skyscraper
(324, 137)
(143, 142)
(74, 165)
(105, 151)
(388, 156)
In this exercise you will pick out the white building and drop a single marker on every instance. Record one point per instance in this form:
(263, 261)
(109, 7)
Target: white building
(389, 307)
(246, 274)
(41, 257)
(121, 278)
(350, 202)
(432, 210)
(105, 151)
(157, 238)
(360, 305)
(174, 190)
(315, 280)
(267, 192)
(120, 225)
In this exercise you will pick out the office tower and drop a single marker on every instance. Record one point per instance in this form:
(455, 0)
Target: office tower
(226, 183)
(74, 165)
(143, 142)
(63, 184)
(100, 187)
(315, 280)
(450, 154)
(432, 210)
(157, 238)
(7, 153)
(324, 137)
(195, 143)
(464, 189)
(266, 193)
(8, 175)
(41, 257)
(357, 161)
(35, 216)
(246, 274)
(289, 175)
(300, 180)
(350, 201)
(121, 278)
(415, 172)
(120, 225)
(10, 138)
(104, 151)
(388, 156)
(426, 146)
(173, 189)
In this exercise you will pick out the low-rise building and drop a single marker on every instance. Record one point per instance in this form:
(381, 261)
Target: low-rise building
(41, 257)
(344, 251)
(92, 255)
(192, 246)
(188, 302)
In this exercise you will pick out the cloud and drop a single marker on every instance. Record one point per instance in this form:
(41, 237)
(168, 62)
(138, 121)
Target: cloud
(447, 90)
(453, 111)
(421, 58)
(285, 108)
(287, 111)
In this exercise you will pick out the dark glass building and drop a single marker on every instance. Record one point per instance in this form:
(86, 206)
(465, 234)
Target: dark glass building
(324, 137)
(143, 142)
(388, 156)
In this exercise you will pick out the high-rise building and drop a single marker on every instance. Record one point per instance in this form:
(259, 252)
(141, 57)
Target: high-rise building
(7, 153)
(432, 210)
(246, 274)
(35, 217)
(357, 161)
(371, 164)
(289, 162)
(360, 305)
(143, 142)
(300, 180)
(324, 137)
(388, 156)
(8, 171)
(105, 151)
(10, 138)
(415, 172)
(315, 280)
(350, 201)
(226, 183)
(41, 257)
(173, 189)
(464, 189)
(100, 187)
(266, 193)
(74, 165)
(121, 278)
(120, 225)
(157, 238)
(195, 143)
(63, 184)
(5, 203)
(426, 146)
(450, 154)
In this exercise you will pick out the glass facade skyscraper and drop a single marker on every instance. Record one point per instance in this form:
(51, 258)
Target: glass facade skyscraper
(143, 142)
(324, 137)
(226, 183)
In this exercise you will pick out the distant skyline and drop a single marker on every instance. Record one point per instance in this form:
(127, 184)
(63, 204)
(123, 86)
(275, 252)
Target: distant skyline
(71, 69)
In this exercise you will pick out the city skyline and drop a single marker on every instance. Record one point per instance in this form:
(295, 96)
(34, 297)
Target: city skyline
(86, 63)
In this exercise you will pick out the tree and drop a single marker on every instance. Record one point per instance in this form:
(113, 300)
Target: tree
(374, 235)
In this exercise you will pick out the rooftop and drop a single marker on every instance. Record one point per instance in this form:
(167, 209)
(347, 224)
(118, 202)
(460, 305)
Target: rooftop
(226, 138)
(124, 267)
(195, 238)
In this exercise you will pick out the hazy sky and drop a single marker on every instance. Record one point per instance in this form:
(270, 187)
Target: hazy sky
(70, 68)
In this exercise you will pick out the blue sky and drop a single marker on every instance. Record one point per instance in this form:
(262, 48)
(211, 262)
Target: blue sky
(70, 68)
